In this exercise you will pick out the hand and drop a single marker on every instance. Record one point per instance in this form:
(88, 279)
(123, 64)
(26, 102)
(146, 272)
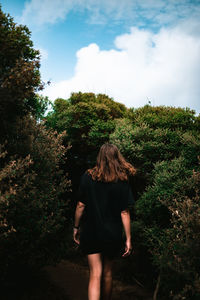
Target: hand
(76, 236)
(128, 249)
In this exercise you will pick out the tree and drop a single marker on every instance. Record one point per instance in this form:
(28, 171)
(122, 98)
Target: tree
(33, 210)
(42, 105)
(144, 145)
(165, 155)
(172, 118)
(88, 119)
(19, 73)
(175, 248)
(81, 114)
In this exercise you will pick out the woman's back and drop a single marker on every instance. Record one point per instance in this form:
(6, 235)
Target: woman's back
(104, 202)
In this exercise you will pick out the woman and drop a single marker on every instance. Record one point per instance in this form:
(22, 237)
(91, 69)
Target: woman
(104, 196)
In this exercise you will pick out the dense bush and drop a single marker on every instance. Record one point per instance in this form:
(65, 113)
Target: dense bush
(165, 117)
(33, 209)
(144, 146)
(87, 118)
(169, 180)
(165, 156)
(175, 250)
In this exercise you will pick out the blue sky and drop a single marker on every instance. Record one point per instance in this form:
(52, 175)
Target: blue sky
(133, 50)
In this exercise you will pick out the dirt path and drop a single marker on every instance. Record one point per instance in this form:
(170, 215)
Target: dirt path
(73, 279)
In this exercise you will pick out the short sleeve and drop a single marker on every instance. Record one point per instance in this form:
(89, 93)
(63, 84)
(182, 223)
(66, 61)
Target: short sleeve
(127, 199)
(82, 191)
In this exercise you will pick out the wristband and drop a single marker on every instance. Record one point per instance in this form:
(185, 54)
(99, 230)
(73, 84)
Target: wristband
(76, 227)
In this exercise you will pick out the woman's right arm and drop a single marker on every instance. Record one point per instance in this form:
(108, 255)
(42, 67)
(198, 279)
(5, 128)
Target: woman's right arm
(126, 221)
(78, 214)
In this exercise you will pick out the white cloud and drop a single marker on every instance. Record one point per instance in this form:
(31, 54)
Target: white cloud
(162, 67)
(47, 11)
(154, 11)
(43, 54)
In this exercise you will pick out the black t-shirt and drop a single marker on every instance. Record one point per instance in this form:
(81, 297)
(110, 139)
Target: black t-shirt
(104, 202)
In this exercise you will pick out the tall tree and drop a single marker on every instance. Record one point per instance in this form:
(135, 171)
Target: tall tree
(19, 73)
(33, 209)
(88, 120)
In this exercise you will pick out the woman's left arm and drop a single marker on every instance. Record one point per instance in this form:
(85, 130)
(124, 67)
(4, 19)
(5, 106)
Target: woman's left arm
(78, 214)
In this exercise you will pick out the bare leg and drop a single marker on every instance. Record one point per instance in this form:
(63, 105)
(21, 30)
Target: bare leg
(95, 266)
(107, 278)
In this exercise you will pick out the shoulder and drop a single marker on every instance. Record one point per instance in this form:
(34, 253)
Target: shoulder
(86, 177)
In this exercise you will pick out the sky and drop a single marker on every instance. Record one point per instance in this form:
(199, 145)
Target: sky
(135, 51)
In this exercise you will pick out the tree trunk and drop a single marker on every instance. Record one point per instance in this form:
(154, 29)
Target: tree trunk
(157, 288)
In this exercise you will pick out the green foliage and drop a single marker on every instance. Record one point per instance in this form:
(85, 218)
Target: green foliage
(88, 119)
(100, 132)
(164, 145)
(169, 179)
(144, 146)
(175, 250)
(115, 109)
(33, 210)
(32, 207)
(83, 111)
(41, 105)
(165, 117)
(19, 73)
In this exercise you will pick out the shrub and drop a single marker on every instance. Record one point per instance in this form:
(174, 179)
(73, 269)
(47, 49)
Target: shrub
(144, 146)
(33, 210)
(175, 250)
(165, 158)
(173, 118)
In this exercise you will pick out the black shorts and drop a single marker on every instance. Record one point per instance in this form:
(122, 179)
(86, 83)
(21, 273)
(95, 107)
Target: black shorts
(111, 250)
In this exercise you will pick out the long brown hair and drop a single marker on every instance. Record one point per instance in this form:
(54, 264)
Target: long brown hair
(111, 165)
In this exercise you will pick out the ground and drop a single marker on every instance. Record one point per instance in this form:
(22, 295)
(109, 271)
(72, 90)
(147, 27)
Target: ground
(65, 281)
(73, 279)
